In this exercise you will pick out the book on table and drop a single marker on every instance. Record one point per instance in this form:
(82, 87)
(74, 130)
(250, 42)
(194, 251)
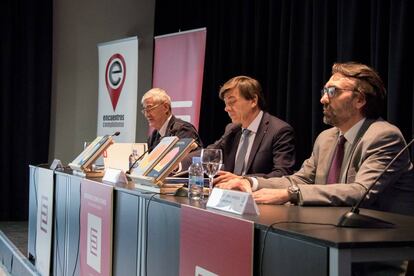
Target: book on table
(153, 176)
(83, 162)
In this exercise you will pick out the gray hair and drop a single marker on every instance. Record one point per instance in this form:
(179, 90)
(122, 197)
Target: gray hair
(158, 95)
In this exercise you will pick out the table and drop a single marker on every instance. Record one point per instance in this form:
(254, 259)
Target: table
(302, 248)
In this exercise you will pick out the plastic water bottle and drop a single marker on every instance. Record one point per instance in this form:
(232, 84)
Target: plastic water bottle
(196, 179)
(132, 158)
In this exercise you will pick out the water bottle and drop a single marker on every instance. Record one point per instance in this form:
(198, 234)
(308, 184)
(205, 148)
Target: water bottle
(132, 158)
(196, 179)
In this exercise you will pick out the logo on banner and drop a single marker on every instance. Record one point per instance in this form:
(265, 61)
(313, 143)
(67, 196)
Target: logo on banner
(93, 257)
(115, 74)
(44, 207)
(199, 271)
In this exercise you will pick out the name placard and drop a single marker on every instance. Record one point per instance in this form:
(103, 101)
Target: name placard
(232, 201)
(115, 176)
(56, 165)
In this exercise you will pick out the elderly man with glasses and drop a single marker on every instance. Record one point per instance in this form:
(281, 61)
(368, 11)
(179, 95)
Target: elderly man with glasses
(157, 110)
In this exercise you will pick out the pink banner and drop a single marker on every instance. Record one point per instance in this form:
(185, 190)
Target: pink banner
(214, 244)
(96, 228)
(179, 68)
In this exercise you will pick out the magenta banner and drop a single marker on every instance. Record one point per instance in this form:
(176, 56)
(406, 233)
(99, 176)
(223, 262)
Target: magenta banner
(179, 69)
(214, 244)
(96, 228)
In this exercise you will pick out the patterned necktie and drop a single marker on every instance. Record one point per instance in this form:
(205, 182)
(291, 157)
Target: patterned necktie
(240, 160)
(336, 165)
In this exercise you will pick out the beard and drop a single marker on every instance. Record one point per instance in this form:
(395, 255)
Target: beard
(338, 116)
(329, 116)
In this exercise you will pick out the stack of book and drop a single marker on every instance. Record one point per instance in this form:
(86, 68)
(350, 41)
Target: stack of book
(151, 172)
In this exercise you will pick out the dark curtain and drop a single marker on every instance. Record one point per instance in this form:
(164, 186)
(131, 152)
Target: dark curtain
(290, 46)
(25, 85)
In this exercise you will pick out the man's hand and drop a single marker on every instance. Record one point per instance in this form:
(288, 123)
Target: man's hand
(271, 196)
(236, 184)
(224, 176)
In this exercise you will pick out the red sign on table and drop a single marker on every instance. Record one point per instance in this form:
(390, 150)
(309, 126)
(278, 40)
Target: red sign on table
(96, 228)
(214, 244)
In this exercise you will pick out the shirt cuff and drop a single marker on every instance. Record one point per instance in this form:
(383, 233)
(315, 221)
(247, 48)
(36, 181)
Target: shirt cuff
(255, 183)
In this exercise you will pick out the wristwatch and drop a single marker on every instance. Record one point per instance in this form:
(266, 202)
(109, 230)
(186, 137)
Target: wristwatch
(294, 193)
(248, 179)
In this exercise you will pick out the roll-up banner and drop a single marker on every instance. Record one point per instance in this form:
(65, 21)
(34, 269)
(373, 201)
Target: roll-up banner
(118, 88)
(179, 68)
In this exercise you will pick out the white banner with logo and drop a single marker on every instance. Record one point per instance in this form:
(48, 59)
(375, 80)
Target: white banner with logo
(44, 221)
(118, 88)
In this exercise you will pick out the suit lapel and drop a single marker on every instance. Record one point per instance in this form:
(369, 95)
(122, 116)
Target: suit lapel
(261, 131)
(353, 156)
(231, 157)
(170, 126)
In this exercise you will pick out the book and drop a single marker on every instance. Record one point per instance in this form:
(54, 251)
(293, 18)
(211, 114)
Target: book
(163, 189)
(152, 158)
(83, 162)
(165, 165)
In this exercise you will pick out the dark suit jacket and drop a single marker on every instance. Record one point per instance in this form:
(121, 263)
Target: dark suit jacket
(273, 149)
(175, 127)
(376, 144)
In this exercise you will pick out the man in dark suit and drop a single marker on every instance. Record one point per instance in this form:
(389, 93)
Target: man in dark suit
(157, 110)
(266, 147)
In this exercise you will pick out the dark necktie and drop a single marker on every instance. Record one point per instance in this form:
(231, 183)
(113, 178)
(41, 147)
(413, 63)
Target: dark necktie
(240, 160)
(156, 140)
(335, 169)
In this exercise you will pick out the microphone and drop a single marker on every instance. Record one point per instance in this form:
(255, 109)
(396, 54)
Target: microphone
(354, 219)
(226, 134)
(138, 159)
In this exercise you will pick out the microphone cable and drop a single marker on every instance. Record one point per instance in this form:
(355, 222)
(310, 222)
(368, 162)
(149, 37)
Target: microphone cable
(146, 230)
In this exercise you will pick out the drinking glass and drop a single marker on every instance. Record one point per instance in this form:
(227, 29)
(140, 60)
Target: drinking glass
(212, 159)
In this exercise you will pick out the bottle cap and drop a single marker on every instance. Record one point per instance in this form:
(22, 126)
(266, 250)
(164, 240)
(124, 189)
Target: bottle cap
(196, 159)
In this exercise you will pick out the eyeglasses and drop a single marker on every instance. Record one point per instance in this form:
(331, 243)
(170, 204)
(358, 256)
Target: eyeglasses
(332, 91)
(149, 109)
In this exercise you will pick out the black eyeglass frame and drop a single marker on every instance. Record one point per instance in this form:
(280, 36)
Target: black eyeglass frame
(332, 91)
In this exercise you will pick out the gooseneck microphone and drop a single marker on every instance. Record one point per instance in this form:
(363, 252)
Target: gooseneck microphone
(138, 159)
(226, 134)
(354, 219)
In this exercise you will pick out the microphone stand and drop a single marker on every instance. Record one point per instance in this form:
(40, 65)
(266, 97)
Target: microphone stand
(354, 219)
(135, 162)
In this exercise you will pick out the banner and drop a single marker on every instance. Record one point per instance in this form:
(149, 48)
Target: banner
(118, 88)
(179, 69)
(44, 220)
(212, 244)
(96, 228)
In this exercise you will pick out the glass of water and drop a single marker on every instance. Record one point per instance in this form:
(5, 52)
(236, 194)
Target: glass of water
(212, 159)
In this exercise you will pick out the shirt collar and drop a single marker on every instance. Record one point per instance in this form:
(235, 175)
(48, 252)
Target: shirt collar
(163, 129)
(351, 134)
(254, 125)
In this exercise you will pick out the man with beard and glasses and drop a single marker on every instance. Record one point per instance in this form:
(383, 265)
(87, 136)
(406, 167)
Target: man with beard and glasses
(347, 158)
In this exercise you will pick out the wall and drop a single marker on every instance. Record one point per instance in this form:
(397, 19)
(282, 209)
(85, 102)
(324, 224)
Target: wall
(78, 26)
